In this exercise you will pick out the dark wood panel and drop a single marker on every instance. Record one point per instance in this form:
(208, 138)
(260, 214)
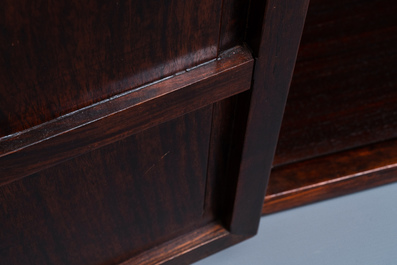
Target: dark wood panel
(218, 156)
(59, 56)
(225, 153)
(281, 31)
(344, 89)
(331, 175)
(116, 119)
(108, 204)
(233, 24)
(229, 62)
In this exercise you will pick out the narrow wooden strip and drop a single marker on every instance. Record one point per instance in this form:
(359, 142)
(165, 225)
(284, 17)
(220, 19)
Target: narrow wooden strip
(120, 117)
(226, 62)
(330, 176)
(169, 252)
(277, 50)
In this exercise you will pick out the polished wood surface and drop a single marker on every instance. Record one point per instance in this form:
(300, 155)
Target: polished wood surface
(332, 175)
(221, 155)
(78, 154)
(138, 132)
(111, 203)
(275, 59)
(60, 56)
(116, 120)
(112, 120)
(343, 92)
(233, 25)
(340, 123)
(201, 242)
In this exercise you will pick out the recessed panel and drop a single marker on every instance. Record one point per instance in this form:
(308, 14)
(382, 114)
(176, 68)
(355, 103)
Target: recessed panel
(109, 204)
(59, 56)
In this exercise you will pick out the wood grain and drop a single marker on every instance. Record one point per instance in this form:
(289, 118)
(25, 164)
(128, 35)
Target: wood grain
(218, 179)
(233, 24)
(227, 135)
(123, 116)
(231, 60)
(331, 175)
(59, 56)
(343, 92)
(188, 248)
(112, 203)
(281, 31)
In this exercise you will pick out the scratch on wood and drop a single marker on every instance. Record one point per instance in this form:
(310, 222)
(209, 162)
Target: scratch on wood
(150, 168)
(165, 155)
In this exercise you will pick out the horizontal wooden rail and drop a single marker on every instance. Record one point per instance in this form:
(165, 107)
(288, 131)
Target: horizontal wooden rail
(118, 117)
(187, 248)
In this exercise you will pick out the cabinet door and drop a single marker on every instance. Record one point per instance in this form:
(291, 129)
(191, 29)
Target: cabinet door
(138, 132)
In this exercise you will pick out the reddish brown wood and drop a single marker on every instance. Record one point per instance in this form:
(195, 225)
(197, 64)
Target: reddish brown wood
(227, 137)
(235, 147)
(127, 153)
(114, 202)
(281, 32)
(57, 57)
(188, 248)
(343, 92)
(342, 96)
(218, 177)
(233, 24)
(237, 59)
(115, 119)
(330, 176)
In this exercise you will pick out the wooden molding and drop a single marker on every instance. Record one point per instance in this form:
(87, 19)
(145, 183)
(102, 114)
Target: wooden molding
(330, 176)
(277, 49)
(196, 244)
(132, 112)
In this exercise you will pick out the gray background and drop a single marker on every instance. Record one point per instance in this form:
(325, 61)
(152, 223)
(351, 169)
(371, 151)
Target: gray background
(355, 229)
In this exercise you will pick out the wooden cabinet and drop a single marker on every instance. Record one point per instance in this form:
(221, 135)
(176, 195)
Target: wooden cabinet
(132, 132)
(143, 132)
